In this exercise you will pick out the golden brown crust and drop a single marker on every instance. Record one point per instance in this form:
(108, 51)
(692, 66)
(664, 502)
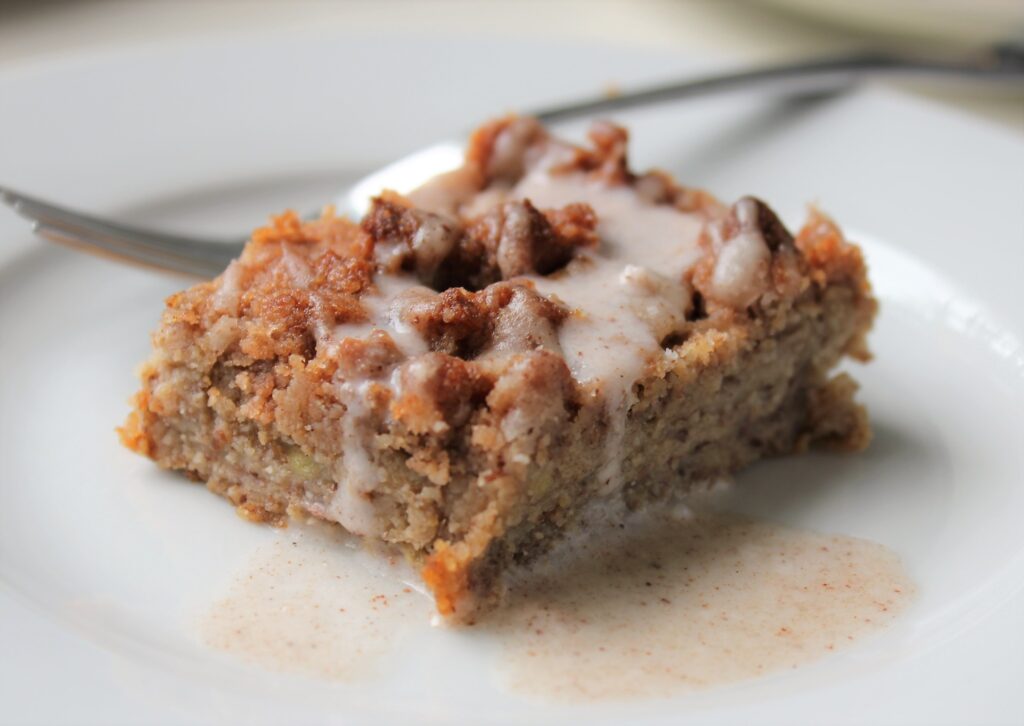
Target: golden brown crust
(447, 575)
(833, 261)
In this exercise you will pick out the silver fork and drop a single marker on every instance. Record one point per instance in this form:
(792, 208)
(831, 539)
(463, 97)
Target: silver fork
(208, 257)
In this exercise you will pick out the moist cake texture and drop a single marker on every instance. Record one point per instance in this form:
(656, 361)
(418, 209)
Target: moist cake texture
(473, 370)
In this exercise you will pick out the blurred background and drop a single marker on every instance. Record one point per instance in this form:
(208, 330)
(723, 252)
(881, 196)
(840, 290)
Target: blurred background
(746, 31)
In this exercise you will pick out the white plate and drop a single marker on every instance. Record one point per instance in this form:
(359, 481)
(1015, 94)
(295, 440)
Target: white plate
(104, 561)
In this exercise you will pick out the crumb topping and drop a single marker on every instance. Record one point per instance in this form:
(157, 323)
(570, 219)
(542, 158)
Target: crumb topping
(510, 240)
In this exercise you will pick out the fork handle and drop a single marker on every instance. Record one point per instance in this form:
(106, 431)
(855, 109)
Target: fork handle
(119, 241)
(1003, 63)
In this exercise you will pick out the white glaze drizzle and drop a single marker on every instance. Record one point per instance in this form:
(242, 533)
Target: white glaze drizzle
(627, 294)
(382, 313)
(351, 504)
(741, 268)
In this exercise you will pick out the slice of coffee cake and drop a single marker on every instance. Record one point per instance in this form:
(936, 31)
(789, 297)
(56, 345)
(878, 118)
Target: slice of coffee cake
(472, 368)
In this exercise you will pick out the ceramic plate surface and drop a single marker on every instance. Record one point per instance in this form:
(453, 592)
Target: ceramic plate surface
(105, 561)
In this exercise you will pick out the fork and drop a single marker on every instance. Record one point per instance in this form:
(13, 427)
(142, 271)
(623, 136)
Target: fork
(208, 257)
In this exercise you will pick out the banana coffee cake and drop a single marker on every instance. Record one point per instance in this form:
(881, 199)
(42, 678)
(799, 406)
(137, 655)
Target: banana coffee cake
(472, 370)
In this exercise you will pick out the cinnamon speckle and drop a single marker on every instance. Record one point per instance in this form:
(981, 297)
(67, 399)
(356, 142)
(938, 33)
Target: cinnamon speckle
(594, 636)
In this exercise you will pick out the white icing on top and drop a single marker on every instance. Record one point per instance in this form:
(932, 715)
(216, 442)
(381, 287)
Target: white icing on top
(351, 505)
(226, 296)
(632, 230)
(385, 312)
(627, 295)
(741, 270)
(297, 267)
